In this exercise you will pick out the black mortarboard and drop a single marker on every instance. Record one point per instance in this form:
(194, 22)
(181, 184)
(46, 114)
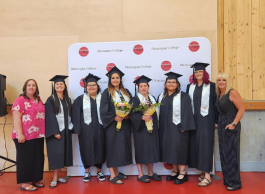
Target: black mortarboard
(198, 66)
(142, 79)
(115, 70)
(172, 75)
(90, 78)
(58, 78)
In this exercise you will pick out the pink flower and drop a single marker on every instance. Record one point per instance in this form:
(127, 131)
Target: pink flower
(121, 104)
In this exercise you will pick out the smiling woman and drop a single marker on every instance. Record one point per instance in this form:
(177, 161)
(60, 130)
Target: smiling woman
(28, 135)
(58, 129)
(231, 109)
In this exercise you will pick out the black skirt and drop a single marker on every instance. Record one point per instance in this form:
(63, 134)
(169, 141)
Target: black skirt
(30, 160)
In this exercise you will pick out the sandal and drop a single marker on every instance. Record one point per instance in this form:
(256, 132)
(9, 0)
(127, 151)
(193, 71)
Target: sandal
(155, 177)
(38, 184)
(29, 188)
(60, 180)
(122, 176)
(144, 179)
(114, 180)
(201, 177)
(232, 189)
(205, 184)
(55, 185)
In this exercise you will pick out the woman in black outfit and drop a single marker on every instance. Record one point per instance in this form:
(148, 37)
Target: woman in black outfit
(231, 109)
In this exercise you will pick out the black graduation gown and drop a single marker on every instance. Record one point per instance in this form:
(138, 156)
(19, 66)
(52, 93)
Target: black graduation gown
(118, 143)
(146, 144)
(60, 151)
(174, 144)
(91, 137)
(202, 139)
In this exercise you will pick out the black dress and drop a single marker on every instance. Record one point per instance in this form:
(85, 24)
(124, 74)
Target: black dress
(229, 142)
(174, 144)
(146, 144)
(118, 143)
(91, 137)
(60, 151)
(202, 139)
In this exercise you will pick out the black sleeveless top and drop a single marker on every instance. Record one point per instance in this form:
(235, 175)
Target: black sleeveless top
(226, 108)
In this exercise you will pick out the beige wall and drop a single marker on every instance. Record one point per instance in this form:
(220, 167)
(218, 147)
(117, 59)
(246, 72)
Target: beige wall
(35, 35)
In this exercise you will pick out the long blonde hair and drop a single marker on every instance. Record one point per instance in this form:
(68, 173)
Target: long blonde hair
(228, 83)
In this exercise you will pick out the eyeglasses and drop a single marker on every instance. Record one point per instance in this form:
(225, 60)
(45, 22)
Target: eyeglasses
(93, 85)
(171, 82)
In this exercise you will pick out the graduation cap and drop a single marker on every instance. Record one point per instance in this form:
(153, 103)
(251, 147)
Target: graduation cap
(90, 78)
(58, 78)
(115, 70)
(142, 79)
(199, 66)
(172, 75)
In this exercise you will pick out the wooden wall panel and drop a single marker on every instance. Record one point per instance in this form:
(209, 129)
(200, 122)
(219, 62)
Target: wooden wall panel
(255, 50)
(243, 48)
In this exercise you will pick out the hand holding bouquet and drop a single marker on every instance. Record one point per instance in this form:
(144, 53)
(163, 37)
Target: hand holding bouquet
(122, 110)
(147, 109)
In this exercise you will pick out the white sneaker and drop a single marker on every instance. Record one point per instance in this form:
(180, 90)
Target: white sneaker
(101, 176)
(86, 177)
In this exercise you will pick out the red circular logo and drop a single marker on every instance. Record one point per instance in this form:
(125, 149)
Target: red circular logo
(136, 79)
(138, 49)
(191, 78)
(82, 83)
(110, 66)
(168, 166)
(83, 52)
(194, 46)
(166, 65)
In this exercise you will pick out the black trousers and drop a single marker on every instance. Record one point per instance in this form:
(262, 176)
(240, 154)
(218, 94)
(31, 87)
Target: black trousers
(30, 160)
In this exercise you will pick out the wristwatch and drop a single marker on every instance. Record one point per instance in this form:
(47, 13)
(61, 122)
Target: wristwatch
(234, 124)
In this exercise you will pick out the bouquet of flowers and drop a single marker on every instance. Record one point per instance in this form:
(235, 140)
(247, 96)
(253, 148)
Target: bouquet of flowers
(148, 109)
(122, 110)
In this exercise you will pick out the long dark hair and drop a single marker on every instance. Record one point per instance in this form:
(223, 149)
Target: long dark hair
(175, 92)
(35, 95)
(57, 108)
(112, 90)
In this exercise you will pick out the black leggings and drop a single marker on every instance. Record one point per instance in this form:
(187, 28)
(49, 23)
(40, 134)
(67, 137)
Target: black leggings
(96, 165)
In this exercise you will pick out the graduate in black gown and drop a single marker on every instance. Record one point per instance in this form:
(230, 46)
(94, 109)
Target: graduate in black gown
(58, 129)
(146, 144)
(118, 143)
(203, 97)
(88, 126)
(175, 123)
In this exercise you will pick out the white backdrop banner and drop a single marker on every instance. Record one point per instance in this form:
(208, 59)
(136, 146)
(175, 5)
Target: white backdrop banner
(152, 58)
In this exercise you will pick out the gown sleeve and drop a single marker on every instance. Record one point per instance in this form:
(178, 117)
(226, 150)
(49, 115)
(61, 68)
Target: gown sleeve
(135, 117)
(76, 115)
(214, 101)
(51, 123)
(106, 114)
(187, 118)
(187, 89)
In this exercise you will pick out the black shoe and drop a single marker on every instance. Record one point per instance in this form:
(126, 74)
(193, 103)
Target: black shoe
(181, 181)
(172, 178)
(86, 177)
(100, 176)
